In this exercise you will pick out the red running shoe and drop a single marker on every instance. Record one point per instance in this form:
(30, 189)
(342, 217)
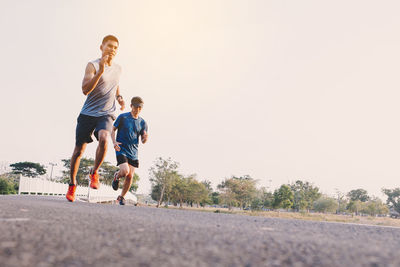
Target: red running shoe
(71, 192)
(94, 179)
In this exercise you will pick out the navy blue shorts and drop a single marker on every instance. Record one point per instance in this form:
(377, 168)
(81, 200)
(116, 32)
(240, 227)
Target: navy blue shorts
(89, 124)
(122, 159)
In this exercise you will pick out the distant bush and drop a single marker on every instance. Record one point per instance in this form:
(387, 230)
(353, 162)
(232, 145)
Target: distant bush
(325, 204)
(6, 187)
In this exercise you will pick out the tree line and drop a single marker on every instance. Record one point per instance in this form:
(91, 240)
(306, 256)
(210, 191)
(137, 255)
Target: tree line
(169, 186)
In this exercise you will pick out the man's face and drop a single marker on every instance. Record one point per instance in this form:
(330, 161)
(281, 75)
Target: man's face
(109, 48)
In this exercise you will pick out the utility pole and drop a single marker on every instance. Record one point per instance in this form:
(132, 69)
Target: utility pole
(52, 165)
(339, 196)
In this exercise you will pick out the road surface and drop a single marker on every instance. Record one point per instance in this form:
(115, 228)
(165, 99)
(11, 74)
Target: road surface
(49, 231)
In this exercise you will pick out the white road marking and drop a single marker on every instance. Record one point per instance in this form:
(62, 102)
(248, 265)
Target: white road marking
(8, 244)
(267, 229)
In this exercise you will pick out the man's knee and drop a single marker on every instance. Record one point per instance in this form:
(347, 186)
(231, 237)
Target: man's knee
(78, 151)
(103, 137)
(124, 173)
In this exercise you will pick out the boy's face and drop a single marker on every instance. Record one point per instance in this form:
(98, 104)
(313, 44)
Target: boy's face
(109, 48)
(136, 110)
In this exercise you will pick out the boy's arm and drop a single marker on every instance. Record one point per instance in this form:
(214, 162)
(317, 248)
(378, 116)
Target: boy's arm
(116, 144)
(144, 137)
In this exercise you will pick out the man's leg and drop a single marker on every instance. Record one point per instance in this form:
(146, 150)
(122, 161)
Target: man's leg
(128, 180)
(101, 149)
(75, 161)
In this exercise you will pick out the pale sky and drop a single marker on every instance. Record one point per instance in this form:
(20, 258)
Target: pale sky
(278, 90)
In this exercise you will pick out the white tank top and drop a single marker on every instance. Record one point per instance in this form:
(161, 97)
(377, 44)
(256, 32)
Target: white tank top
(101, 101)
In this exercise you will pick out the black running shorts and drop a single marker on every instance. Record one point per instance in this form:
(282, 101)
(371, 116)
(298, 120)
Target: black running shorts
(89, 124)
(122, 159)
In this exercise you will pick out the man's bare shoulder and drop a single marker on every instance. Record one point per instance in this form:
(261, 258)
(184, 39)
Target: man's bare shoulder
(90, 68)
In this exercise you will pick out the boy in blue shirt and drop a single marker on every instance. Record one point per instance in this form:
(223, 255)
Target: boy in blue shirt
(130, 127)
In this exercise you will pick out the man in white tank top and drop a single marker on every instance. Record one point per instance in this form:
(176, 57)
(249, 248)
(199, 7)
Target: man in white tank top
(101, 86)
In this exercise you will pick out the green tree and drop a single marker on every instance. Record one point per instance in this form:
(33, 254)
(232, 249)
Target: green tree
(283, 197)
(12, 179)
(162, 175)
(197, 192)
(325, 204)
(228, 197)
(354, 206)
(247, 191)
(215, 198)
(263, 199)
(268, 200)
(393, 199)
(179, 190)
(374, 207)
(342, 201)
(304, 195)
(238, 191)
(358, 194)
(156, 192)
(6, 187)
(83, 171)
(208, 199)
(29, 169)
(207, 185)
(256, 204)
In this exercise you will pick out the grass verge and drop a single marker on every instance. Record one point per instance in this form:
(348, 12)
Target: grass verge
(321, 217)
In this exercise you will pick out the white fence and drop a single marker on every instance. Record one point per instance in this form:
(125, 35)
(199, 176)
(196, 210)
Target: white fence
(38, 186)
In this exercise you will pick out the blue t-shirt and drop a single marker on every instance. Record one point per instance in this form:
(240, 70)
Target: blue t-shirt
(129, 130)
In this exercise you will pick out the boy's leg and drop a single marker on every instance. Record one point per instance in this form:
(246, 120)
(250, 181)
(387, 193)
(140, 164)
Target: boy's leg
(123, 170)
(128, 180)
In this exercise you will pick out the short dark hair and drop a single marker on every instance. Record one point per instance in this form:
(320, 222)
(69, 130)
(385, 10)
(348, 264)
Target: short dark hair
(136, 101)
(110, 37)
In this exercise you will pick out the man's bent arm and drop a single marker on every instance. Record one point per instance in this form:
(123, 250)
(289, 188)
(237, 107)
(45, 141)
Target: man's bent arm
(91, 79)
(120, 99)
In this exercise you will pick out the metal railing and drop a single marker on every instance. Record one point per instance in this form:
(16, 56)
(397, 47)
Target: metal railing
(38, 186)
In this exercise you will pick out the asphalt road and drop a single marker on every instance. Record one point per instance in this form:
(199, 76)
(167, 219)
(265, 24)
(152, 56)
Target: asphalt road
(49, 231)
